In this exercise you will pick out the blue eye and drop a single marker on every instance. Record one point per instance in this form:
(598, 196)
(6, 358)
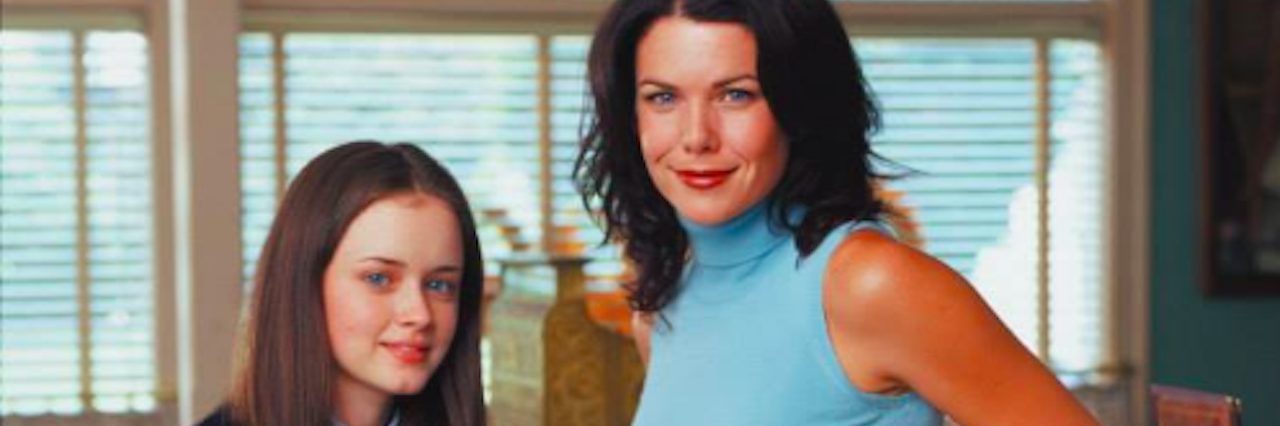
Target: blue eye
(737, 95)
(377, 279)
(661, 98)
(440, 286)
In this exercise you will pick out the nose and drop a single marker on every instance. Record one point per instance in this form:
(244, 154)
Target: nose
(698, 135)
(412, 308)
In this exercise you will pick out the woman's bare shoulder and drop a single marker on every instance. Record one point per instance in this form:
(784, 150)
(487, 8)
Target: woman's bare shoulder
(871, 268)
(889, 296)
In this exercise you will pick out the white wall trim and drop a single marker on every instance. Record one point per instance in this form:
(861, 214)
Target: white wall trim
(1129, 220)
(452, 16)
(372, 21)
(204, 77)
(993, 19)
(25, 17)
(76, 4)
(915, 19)
(528, 10)
(156, 23)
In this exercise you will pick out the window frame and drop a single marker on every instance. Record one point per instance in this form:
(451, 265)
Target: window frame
(1120, 26)
(80, 17)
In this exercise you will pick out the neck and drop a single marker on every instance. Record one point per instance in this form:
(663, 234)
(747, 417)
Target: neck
(750, 235)
(359, 405)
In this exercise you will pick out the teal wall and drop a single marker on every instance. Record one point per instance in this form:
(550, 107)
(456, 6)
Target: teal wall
(1230, 345)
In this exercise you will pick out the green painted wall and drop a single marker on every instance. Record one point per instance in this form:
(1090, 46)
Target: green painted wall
(1230, 345)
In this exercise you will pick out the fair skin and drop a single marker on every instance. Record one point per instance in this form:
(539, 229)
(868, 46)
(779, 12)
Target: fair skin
(708, 138)
(391, 306)
(899, 320)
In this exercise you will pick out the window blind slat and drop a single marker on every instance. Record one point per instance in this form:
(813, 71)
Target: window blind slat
(39, 312)
(257, 145)
(118, 178)
(468, 100)
(569, 102)
(961, 113)
(38, 166)
(1076, 218)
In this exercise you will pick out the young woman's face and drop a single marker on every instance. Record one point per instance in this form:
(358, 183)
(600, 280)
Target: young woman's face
(710, 142)
(391, 296)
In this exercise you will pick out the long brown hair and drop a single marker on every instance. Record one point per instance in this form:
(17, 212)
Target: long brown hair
(285, 369)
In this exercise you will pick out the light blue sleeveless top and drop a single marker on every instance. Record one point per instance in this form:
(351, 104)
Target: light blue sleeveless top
(747, 343)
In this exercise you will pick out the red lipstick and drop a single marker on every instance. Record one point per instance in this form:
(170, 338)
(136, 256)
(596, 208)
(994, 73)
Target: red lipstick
(408, 354)
(704, 179)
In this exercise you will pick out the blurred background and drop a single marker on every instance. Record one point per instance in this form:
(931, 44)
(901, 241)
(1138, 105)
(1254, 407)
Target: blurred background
(144, 145)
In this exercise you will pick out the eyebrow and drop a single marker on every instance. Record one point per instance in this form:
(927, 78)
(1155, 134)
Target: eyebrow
(718, 83)
(442, 269)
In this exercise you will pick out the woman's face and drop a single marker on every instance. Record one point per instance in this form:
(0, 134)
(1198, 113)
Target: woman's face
(391, 297)
(710, 142)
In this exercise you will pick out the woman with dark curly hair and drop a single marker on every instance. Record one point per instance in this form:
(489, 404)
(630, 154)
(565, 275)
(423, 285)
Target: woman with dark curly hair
(729, 150)
(366, 301)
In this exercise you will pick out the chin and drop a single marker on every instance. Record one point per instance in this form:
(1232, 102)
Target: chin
(708, 209)
(708, 215)
(407, 387)
(406, 382)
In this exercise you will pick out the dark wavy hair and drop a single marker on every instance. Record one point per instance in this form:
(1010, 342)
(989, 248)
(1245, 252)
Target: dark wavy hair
(286, 369)
(812, 81)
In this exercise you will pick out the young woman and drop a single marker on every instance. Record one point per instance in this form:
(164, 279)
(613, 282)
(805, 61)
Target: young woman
(366, 302)
(729, 150)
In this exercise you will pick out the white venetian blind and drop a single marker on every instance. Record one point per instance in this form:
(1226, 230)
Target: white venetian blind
(963, 114)
(76, 279)
(570, 101)
(258, 167)
(469, 100)
(1079, 297)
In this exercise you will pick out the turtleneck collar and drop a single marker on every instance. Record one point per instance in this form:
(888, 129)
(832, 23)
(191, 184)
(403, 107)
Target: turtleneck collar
(748, 236)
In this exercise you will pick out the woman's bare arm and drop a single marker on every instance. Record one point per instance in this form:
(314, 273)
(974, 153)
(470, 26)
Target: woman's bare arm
(901, 320)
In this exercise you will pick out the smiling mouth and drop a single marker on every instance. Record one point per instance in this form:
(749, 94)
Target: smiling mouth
(704, 179)
(407, 353)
